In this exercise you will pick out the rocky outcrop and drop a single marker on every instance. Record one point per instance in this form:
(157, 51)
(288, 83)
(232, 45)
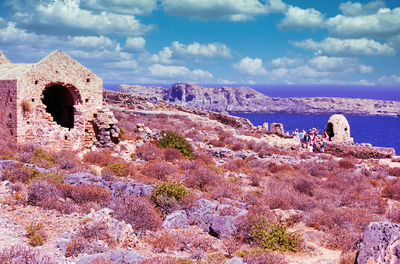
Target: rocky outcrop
(381, 244)
(361, 151)
(245, 99)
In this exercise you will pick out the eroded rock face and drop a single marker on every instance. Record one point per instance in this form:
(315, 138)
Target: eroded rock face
(245, 99)
(277, 128)
(381, 244)
(361, 151)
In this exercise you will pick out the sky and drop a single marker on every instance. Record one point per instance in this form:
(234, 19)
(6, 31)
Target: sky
(212, 41)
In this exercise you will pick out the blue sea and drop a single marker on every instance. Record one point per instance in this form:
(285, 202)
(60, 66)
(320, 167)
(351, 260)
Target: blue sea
(380, 131)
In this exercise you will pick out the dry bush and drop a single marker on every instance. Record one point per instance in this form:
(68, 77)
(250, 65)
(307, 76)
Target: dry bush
(392, 190)
(315, 169)
(346, 164)
(217, 143)
(140, 212)
(163, 242)
(67, 160)
(163, 260)
(76, 246)
(394, 171)
(274, 168)
(255, 178)
(223, 135)
(62, 206)
(303, 185)
(22, 255)
(171, 154)
(101, 158)
(255, 146)
(394, 215)
(188, 240)
(202, 178)
(40, 190)
(17, 173)
(36, 235)
(101, 261)
(195, 136)
(205, 158)
(265, 257)
(224, 189)
(120, 169)
(158, 169)
(149, 151)
(235, 165)
(90, 193)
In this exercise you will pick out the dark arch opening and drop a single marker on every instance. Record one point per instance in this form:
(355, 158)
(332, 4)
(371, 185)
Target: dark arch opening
(59, 102)
(329, 130)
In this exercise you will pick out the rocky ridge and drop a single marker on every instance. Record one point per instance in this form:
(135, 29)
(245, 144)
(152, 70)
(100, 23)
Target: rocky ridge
(245, 99)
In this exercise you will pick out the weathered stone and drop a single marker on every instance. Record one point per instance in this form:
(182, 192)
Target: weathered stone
(277, 128)
(176, 219)
(338, 129)
(222, 226)
(117, 255)
(236, 260)
(381, 244)
(81, 178)
(50, 103)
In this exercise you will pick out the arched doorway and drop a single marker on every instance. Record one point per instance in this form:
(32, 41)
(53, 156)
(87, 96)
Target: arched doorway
(60, 101)
(329, 130)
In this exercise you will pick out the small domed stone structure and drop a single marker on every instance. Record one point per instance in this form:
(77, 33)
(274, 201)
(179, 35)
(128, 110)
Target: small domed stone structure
(338, 129)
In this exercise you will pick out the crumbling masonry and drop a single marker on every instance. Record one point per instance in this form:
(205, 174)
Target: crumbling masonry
(55, 103)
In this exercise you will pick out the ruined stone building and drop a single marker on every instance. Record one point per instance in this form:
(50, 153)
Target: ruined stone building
(55, 103)
(338, 129)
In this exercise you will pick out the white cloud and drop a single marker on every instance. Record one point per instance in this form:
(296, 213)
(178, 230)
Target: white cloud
(163, 56)
(211, 50)
(347, 47)
(66, 17)
(384, 23)
(250, 66)
(297, 19)
(178, 72)
(123, 64)
(135, 44)
(364, 82)
(358, 9)
(233, 10)
(306, 71)
(284, 61)
(325, 63)
(137, 7)
(364, 69)
(395, 42)
(390, 80)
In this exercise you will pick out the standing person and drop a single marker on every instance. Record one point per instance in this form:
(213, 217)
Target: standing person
(302, 137)
(296, 134)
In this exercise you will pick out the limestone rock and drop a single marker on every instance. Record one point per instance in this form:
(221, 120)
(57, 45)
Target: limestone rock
(277, 128)
(176, 219)
(236, 260)
(381, 244)
(118, 255)
(222, 226)
(338, 129)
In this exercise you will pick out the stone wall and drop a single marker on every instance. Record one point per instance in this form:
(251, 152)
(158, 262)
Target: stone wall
(38, 126)
(8, 108)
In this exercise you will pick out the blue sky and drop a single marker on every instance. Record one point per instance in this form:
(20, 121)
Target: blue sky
(212, 41)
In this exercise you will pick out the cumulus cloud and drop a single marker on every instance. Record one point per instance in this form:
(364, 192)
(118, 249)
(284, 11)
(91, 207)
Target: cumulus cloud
(364, 69)
(66, 17)
(384, 23)
(233, 10)
(135, 44)
(347, 47)
(297, 19)
(390, 80)
(250, 66)
(284, 61)
(137, 7)
(211, 50)
(358, 9)
(196, 51)
(178, 72)
(325, 63)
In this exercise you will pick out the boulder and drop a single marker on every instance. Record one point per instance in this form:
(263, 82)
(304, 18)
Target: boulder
(131, 188)
(118, 255)
(81, 178)
(236, 260)
(277, 128)
(222, 226)
(176, 219)
(202, 213)
(381, 244)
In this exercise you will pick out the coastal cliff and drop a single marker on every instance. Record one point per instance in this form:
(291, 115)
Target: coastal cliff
(245, 99)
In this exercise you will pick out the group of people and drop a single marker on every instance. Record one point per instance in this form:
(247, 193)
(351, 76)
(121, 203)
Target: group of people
(311, 140)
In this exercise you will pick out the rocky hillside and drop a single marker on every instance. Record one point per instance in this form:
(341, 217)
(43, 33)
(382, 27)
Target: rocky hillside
(245, 99)
(187, 186)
